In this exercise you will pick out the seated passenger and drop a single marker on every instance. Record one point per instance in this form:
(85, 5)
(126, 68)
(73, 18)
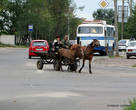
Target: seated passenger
(65, 42)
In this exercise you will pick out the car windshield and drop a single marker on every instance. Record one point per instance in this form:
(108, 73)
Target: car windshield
(90, 30)
(132, 44)
(39, 43)
(122, 42)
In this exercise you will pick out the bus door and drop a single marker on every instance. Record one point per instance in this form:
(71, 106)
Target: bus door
(105, 37)
(78, 40)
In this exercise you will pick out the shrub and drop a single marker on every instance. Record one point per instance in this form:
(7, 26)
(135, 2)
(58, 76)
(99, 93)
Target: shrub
(132, 105)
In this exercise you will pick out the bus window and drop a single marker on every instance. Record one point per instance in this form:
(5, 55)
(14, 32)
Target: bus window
(90, 30)
(84, 30)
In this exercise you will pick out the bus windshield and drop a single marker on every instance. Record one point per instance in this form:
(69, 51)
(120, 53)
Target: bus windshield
(90, 30)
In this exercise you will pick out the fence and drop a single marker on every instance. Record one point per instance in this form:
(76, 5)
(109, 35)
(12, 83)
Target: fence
(7, 39)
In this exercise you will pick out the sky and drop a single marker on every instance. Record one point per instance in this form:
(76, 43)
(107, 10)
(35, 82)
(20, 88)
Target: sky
(89, 7)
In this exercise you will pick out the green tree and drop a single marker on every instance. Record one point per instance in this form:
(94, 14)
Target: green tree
(49, 18)
(131, 25)
(3, 15)
(104, 14)
(126, 35)
(132, 105)
(59, 10)
(3, 4)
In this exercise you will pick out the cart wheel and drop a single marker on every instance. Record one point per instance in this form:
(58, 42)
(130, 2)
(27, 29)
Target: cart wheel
(72, 67)
(40, 64)
(56, 65)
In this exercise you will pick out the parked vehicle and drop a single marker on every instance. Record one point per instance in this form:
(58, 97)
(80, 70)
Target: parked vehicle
(122, 44)
(131, 49)
(37, 46)
(97, 29)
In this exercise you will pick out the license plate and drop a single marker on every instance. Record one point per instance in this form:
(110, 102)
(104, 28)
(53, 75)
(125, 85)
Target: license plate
(39, 49)
(122, 47)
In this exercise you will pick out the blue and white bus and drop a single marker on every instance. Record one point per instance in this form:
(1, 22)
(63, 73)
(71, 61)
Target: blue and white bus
(99, 30)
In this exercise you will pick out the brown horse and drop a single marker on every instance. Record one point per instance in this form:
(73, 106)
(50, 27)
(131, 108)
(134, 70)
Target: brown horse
(71, 54)
(88, 53)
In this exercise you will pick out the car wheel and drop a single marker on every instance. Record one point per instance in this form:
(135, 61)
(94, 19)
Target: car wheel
(30, 56)
(102, 53)
(128, 56)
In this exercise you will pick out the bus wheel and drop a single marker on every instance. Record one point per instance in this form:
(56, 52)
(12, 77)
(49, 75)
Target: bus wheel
(102, 53)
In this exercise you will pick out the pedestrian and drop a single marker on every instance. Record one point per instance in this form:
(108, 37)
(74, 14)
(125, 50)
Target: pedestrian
(132, 38)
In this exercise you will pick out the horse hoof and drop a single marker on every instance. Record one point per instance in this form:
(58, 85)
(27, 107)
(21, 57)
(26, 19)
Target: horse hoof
(90, 72)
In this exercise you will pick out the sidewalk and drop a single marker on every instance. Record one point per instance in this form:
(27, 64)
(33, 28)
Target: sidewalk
(115, 61)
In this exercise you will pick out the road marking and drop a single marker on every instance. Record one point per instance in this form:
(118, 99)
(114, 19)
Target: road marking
(51, 95)
(30, 64)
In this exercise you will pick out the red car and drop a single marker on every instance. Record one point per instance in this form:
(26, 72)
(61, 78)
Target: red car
(38, 46)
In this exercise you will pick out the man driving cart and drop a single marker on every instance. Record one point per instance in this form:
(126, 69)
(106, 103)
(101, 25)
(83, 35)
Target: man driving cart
(57, 44)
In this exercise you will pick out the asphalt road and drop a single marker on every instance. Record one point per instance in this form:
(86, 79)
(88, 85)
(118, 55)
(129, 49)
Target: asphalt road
(23, 87)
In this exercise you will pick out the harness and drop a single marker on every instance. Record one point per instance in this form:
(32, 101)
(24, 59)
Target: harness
(85, 53)
(82, 51)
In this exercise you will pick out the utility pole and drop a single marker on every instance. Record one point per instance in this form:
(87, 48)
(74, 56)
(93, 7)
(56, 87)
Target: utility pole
(130, 6)
(68, 24)
(68, 20)
(116, 27)
(122, 24)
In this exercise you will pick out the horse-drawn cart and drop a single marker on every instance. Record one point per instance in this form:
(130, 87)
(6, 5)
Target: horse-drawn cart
(52, 57)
